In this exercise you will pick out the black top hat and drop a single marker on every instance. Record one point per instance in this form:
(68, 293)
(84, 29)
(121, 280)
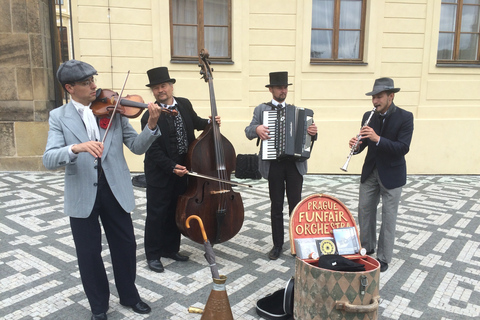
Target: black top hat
(159, 75)
(382, 84)
(278, 79)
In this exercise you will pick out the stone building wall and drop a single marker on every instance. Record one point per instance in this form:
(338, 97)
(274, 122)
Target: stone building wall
(27, 90)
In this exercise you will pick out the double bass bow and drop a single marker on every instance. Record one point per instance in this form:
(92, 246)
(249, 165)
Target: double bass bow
(214, 201)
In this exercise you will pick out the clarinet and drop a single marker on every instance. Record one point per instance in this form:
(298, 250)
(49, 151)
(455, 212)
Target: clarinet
(354, 147)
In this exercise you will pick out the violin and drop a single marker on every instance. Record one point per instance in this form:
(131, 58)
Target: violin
(130, 106)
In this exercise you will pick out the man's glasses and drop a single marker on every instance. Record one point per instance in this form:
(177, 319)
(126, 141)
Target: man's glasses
(86, 83)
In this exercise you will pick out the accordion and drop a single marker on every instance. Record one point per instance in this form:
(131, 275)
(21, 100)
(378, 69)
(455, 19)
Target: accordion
(289, 137)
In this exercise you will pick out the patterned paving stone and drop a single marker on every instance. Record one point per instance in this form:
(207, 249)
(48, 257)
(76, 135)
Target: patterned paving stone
(435, 273)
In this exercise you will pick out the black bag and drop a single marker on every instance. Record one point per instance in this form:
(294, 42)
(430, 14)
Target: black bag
(139, 181)
(338, 263)
(278, 305)
(247, 167)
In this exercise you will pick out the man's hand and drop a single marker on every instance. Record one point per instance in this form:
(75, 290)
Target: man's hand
(369, 133)
(352, 142)
(154, 111)
(95, 148)
(180, 170)
(217, 120)
(262, 132)
(312, 129)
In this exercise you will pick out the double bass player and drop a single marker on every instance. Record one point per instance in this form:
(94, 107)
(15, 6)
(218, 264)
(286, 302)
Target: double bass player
(165, 170)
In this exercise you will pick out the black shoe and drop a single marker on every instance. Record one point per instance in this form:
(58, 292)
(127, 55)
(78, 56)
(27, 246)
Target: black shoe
(274, 253)
(370, 252)
(155, 265)
(176, 256)
(383, 266)
(141, 307)
(100, 316)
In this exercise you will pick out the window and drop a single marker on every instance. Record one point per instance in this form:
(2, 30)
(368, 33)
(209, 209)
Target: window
(200, 24)
(63, 43)
(338, 28)
(459, 32)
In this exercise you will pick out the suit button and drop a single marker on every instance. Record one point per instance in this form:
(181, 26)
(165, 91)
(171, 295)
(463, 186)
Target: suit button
(95, 184)
(95, 167)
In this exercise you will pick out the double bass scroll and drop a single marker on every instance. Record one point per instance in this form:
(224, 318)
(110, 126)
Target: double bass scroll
(211, 154)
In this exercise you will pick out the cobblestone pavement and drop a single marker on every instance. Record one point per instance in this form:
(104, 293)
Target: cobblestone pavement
(434, 275)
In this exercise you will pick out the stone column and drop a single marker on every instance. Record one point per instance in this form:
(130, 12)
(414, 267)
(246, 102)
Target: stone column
(27, 91)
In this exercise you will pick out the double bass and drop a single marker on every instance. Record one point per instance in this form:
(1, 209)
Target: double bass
(215, 202)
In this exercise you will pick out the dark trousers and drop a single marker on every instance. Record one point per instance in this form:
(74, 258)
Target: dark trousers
(283, 175)
(87, 236)
(162, 236)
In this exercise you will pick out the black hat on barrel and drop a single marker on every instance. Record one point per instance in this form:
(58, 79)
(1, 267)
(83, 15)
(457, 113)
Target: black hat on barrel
(159, 75)
(278, 79)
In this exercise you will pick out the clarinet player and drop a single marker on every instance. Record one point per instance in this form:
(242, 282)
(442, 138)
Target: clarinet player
(387, 136)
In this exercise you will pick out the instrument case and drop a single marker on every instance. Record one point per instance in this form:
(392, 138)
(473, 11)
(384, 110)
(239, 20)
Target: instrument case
(323, 293)
(277, 305)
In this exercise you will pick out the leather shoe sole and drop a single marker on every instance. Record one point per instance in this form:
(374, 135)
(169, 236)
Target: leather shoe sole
(274, 253)
(177, 257)
(155, 265)
(100, 316)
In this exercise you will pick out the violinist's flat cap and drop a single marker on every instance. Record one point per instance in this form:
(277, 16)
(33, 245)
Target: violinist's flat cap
(74, 70)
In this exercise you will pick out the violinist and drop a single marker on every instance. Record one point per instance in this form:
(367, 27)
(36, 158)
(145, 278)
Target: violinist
(286, 174)
(165, 170)
(98, 186)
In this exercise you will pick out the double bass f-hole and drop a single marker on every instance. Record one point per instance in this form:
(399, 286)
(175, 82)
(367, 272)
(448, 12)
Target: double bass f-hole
(212, 157)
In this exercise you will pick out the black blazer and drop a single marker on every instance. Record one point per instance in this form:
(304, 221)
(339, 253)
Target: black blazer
(158, 163)
(389, 155)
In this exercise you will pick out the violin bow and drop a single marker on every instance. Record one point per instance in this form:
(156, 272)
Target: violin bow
(116, 105)
(114, 110)
(198, 175)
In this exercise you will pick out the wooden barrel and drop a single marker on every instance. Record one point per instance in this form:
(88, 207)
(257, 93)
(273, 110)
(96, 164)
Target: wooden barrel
(322, 294)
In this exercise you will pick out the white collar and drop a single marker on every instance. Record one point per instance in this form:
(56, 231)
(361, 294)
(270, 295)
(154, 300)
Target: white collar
(278, 104)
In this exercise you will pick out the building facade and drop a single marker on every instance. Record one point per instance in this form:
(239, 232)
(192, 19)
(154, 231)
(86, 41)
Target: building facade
(333, 51)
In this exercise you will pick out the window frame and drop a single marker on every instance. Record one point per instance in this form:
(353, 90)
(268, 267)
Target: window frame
(201, 35)
(457, 33)
(335, 37)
